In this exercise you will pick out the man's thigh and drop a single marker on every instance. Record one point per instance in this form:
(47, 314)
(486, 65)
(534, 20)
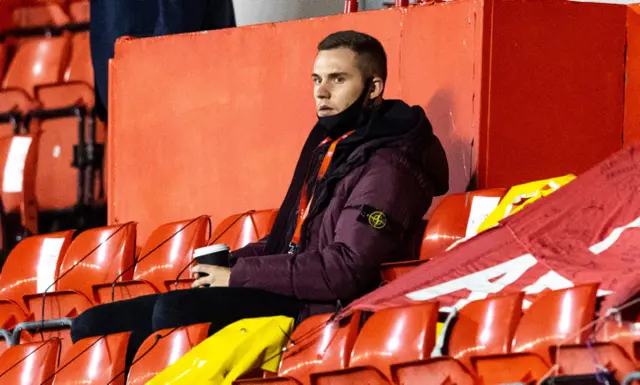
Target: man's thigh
(220, 306)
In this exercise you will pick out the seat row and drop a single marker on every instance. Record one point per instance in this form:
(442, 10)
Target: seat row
(487, 342)
(52, 277)
(51, 14)
(47, 93)
(84, 271)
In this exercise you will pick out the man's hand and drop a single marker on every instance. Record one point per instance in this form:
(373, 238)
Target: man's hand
(218, 276)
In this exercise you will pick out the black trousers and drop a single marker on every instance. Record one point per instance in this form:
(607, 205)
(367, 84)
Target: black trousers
(144, 315)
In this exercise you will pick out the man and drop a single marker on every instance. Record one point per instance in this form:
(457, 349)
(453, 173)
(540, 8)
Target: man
(112, 19)
(365, 178)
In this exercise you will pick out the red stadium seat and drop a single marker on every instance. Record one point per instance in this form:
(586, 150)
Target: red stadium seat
(162, 349)
(32, 363)
(59, 135)
(30, 268)
(97, 256)
(321, 345)
(40, 15)
(18, 161)
(241, 229)
(168, 250)
(236, 231)
(555, 317)
(80, 11)
(36, 62)
(447, 224)
(482, 327)
(94, 361)
(615, 350)
(389, 337)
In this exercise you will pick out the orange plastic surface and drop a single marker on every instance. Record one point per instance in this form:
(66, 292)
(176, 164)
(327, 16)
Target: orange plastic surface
(152, 357)
(80, 11)
(41, 15)
(30, 363)
(241, 229)
(27, 261)
(390, 336)
(438, 371)
(167, 251)
(632, 77)
(94, 361)
(38, 61)
(485, 327)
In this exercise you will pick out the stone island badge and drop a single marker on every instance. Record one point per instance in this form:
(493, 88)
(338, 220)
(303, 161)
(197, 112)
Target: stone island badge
(374, 218)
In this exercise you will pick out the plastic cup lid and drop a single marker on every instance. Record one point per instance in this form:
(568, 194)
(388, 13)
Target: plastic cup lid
(210, 250)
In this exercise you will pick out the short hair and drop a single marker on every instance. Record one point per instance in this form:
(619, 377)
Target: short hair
(370, 55)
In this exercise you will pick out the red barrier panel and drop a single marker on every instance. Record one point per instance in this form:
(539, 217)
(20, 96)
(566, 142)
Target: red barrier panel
(213, 122)
(632, 91)
(553, 91)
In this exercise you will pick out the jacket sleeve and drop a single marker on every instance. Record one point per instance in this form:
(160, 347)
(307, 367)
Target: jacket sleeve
(255, 249)
(348, 267)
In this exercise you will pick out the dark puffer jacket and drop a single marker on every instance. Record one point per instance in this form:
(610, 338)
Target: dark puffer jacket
(343, 241)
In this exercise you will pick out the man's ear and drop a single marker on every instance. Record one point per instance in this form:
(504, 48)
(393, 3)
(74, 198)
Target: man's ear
(377, 87)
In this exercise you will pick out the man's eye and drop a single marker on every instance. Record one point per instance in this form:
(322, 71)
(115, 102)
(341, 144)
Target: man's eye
(339, 79)
(317, 81)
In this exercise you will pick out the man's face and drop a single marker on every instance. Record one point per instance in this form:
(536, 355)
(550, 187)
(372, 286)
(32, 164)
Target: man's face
(337, 81)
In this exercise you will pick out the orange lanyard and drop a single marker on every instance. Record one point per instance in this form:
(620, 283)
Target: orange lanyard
(305, 205)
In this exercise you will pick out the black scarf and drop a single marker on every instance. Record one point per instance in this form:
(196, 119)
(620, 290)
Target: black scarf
(355, 116)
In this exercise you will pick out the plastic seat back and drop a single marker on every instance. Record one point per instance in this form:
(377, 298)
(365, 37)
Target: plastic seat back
(108, 251)
(39, 16)
(321, 345)
(168, 250)
(556, 317)
(485, 327)
(111, 251)
(390, 336)
(80, 11)
(241, 229)
(94, 361)
(33, 265)
(18, 158)
(80, 67)
(155, 354)
(449, 221)
(3, 59)
(28, 364)
(36, 62)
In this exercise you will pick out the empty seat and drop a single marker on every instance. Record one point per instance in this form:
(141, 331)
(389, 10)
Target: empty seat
(36, 62)
(18, 159)
(80, 11)
(555, 317)
(30, 268)
(320, 345)
(3, 59)
(94, 361)
(39, 16)
(481, 327)
(614, 350)
(162, 349)
(390, 336)
(32, 363)
(97, 256)
(62, 118)
(241, 229)
(449, 222)
(166, 253)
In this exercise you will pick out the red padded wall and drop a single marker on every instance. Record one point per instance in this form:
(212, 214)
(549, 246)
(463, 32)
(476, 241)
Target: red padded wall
(554, 89)
(213, 122)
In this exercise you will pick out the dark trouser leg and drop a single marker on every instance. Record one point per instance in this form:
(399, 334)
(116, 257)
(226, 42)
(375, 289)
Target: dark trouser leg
(219, 305)
(132, 315)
